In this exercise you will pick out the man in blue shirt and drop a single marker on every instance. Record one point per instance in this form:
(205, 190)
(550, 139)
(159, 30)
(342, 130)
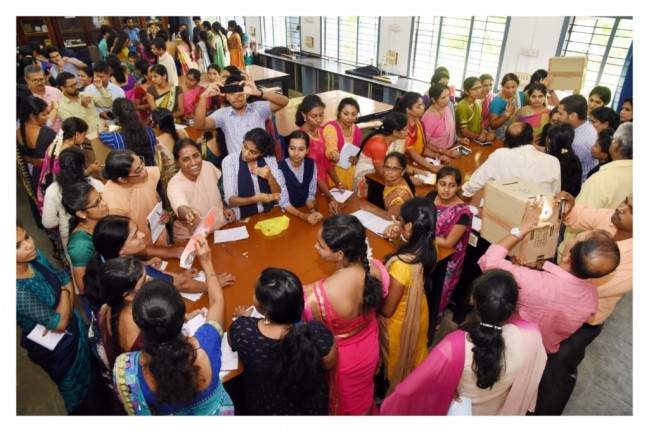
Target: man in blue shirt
(133, 33)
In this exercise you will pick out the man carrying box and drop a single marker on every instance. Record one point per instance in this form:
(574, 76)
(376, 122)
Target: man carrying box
(552, 398)
(559, 298)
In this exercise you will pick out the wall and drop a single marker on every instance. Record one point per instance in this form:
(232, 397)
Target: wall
(530, 33)
(539, 34)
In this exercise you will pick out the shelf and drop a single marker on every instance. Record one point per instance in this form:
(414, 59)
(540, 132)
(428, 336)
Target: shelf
(36, 33)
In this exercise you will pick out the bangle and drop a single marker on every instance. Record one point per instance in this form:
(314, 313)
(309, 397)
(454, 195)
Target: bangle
(68, 291)
(211, 275)
(261, 93)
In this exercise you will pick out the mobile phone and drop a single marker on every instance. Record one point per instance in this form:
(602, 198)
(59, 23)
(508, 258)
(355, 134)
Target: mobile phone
(464, 151)
(232, 88)
(483, 143)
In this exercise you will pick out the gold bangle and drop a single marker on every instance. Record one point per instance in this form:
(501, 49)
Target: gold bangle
(211, 275)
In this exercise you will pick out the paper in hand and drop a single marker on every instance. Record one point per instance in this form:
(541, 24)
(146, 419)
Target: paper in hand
(154, 222)
(346, 152)
(203, 229)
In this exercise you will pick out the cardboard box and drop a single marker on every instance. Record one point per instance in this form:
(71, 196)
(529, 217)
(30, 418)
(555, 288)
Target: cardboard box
(504, 206)
(568, 73)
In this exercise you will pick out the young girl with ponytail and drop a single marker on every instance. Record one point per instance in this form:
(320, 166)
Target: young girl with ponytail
(284, 358)
(495, 363)
(346, 302)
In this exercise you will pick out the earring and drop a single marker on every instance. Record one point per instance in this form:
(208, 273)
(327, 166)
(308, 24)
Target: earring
(266, 321)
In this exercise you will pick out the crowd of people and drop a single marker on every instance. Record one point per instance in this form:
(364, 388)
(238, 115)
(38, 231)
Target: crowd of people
(357, 341)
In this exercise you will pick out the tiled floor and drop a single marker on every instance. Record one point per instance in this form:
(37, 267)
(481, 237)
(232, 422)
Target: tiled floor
(604, 386)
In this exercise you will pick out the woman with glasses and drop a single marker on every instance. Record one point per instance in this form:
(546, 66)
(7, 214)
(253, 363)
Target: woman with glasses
(389, 137)
(398, 187)
(503, 108)
(131, 191)
(72, 162)
(468, 112)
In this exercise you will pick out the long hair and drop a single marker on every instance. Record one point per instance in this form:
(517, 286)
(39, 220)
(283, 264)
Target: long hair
(159, 311)
(72, 161)
(308, 103)
(74, 198)
(109, 237)
(184, 35)
(559, 145)
(122, 37)
(164, 119)
(31, 105)
(346, 233)
(422, 214)
(116, 279)
(134, 132)
(116, 68)
(297, 368)
(495, 295)
(394, 121)
(146, 43)
(406, 102)
(202, 35)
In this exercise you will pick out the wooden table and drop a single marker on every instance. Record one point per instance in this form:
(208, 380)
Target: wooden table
(370, 110)
(266, 77)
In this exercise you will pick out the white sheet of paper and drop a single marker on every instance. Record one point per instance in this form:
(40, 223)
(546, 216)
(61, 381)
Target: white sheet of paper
(341, 195)
(200, 276)
(163, 265)
(229, 359)
(190, 327)
(463, 408)
(254, 313)
(192, 296)
(428, 178)
(347, 151)
(49, 341)
(231, 234)
(372, 222)
(476, 224)
(154, 225)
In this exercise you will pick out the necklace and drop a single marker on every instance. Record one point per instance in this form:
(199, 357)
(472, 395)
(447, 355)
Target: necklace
(350, 134)
(90, 230)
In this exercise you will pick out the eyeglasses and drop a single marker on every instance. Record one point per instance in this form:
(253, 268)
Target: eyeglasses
(139, 170)
(392, 168)
(97, 203)
(38, 80)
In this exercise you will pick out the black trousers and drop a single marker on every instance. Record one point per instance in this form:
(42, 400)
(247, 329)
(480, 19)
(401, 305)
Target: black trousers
(560, 374)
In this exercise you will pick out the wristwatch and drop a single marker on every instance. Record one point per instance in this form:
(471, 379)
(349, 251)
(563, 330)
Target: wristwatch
(516, 232)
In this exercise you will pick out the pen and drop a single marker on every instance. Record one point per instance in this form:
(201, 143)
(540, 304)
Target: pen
(226, 249)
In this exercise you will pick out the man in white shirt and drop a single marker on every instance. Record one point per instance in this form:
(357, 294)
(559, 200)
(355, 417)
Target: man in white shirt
(519, 159)
(103, 91)
(159, 48)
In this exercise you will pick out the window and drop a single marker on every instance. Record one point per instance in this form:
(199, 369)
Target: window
(281, 31)
(606, 41)
(352, 40)
(467, 46)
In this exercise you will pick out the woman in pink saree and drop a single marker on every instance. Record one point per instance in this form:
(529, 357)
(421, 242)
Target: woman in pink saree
(463, 367)
(346, 302)
(191, 94)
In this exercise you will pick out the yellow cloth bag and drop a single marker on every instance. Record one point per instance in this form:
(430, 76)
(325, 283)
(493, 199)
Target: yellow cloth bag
(274, 226)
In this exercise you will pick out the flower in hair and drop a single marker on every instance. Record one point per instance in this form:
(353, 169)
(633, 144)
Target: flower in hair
(369, 250)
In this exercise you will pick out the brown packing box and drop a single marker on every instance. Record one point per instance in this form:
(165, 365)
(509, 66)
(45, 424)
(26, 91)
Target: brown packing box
(504, 206)
(568, 73)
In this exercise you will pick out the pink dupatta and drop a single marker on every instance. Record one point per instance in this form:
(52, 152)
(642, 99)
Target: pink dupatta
(430, 388)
